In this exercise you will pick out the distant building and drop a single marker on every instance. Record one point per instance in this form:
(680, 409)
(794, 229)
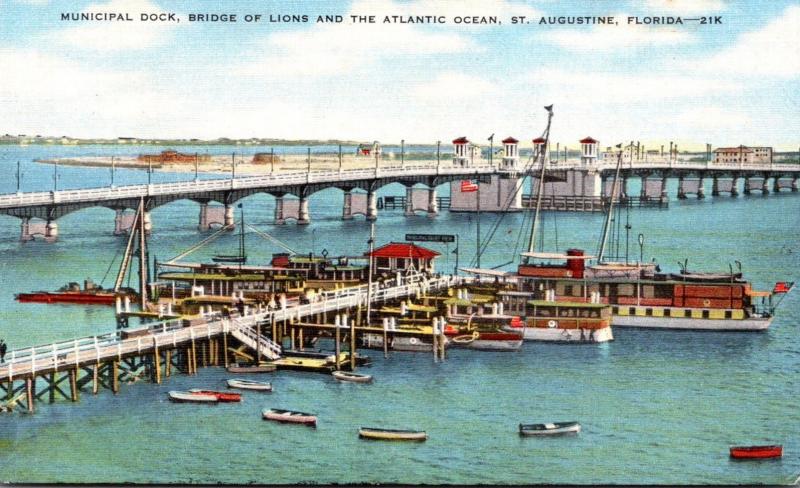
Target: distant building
(373, 149)
(402, 256)
(743, 155)
(172, 156)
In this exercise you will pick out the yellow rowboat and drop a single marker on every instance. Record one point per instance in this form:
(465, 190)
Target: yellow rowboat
(392, 434)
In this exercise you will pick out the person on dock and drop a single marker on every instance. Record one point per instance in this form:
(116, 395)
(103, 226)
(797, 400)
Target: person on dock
(3, 348)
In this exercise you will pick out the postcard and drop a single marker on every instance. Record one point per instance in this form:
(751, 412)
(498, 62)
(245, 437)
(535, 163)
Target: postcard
(417, 242)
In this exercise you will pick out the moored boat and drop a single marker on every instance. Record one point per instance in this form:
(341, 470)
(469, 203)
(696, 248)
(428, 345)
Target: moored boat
(222, 396)
(352, 377)
(496, 341)
(253, 368)
(290, 417)
(189, 397)
(90, 294)
(756, 452)
(554, 428)
(249, 385)
(392, 434)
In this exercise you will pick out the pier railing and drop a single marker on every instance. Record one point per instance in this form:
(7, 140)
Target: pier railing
(88, 350)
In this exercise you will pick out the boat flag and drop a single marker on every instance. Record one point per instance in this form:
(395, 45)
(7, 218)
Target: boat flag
(468, 186)
(782, 287)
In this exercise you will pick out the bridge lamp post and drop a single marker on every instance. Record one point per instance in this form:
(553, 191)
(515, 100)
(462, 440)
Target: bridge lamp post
(19, 179)
(113, 167)
(55, 176)
(402, 153)
(438, 154)
(196, 168)
(272, 160)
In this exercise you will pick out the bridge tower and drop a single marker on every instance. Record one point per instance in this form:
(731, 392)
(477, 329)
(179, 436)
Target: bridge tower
(589, 151)
(510, 153)
(538, 145)
(461, 152)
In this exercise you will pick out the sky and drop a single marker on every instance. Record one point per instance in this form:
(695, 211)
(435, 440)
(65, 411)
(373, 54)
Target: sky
(734, 83)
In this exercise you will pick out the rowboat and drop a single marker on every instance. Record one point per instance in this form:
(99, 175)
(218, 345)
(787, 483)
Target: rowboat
(353, 377)
(392, 434)
(290, 417)
(249, 385)
(188, 397)
(222, 396)
(555, 428)
(255, 368)
(756, 452)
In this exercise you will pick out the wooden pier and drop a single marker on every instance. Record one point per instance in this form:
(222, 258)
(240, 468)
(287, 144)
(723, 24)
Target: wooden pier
(64, 369)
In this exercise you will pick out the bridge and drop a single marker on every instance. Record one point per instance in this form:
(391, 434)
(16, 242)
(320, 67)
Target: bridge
(575, 185)
(103, 360)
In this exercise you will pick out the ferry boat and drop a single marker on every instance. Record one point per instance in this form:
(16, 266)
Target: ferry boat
(91, 294)
(642, 296)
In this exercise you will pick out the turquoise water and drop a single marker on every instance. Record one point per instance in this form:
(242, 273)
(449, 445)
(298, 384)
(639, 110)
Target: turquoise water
(656, 406)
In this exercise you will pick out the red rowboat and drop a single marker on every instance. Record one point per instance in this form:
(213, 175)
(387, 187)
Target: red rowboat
(222, 396)
(99, 298)
(756, 452)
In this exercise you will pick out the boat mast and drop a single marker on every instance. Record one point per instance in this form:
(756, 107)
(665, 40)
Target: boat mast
(540, 189)
(126, 257)
(143, 265)
(371, 243)
(242, 255)
(610, 208)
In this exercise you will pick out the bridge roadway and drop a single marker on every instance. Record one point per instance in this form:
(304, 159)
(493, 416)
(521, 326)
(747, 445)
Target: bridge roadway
(35, 361)
(49, 206)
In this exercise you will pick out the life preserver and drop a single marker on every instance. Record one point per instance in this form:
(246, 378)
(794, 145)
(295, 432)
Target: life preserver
(706, 302)
(552, 323)
(412, 341)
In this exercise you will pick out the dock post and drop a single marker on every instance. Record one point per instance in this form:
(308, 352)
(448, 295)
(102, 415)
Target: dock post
(353, 324)
(300, 338)
(157, 360)
(193, 358)
(204, 353)
(225, 346)
(29, 393)
(434, 339)
(73, 384)
(385, 338)
(291, 339)
(168, 363)
(337, 324)
(95, 378)
(52, 387)
(115, 376)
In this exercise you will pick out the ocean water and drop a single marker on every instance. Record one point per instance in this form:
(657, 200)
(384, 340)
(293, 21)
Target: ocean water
(656, 406)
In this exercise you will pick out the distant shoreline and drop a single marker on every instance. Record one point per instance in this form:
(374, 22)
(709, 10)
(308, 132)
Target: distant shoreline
(69, 141)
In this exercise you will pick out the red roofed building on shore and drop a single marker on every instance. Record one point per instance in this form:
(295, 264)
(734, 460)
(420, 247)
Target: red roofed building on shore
(402, 256)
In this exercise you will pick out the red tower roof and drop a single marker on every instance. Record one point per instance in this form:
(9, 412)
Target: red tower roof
(539, 140)
(588, 140)
(510, 140)
(403, 250)
(461, 140)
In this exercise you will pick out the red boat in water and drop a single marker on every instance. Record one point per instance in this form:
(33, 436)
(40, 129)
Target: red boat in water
(72, 293)
(222, 396)
(756, 452)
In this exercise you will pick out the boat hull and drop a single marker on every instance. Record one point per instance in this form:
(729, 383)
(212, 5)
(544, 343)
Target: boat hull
(352, 377)
(756, 452)
(748, 324)
(249, 385)
(565, 335)
(562, 428)
(222, 396)
(266, 368)
(287, 417)
(186, 397)
(392, 435)
(55, 297)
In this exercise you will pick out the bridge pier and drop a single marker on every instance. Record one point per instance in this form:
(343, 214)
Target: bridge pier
(735, 186)
(372, 205)
(279, 219)
(776, 186)
(25, 233)
(664, 196)
(433, 204)
(347, 208)
(624, 196)
(303, 217)
(681, 189)
(409, 209)
(746, 185)
(228, 219)
(765, 186)
(714, 186)
(51, 231)
(794, 183)
(701, 188)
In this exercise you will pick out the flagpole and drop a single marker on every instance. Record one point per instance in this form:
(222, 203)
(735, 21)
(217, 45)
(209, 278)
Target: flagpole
(478, 226)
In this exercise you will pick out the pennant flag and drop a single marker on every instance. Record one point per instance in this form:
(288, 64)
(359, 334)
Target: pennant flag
(468, 186)
(455, 251)
(782, 287)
